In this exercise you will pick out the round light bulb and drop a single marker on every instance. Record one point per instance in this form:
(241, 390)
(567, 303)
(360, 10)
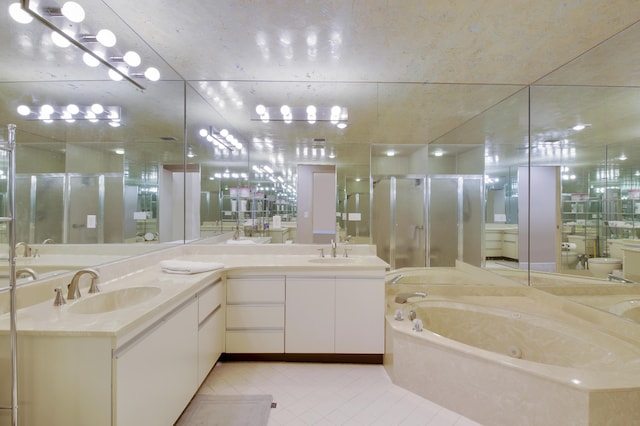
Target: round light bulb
(285, 110)
(18, 14)
(311, 110)
(335, 111)
(24, 110)
(73, 109)
(224, 133)
(73, 11)
(152, 74)
(114, 123)
(97, 109)
(132, 58)
(261, 109)
(90, 60)
(46, 109)
(204, 133)
(114, 75)
(106, 38)
(59, 40)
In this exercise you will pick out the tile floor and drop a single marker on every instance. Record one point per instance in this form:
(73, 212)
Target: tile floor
(329, 394)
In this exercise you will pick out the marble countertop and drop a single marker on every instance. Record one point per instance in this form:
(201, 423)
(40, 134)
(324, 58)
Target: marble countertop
(44, 318)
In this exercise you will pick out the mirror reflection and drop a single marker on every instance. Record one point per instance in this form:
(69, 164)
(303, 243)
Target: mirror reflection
(188, 159)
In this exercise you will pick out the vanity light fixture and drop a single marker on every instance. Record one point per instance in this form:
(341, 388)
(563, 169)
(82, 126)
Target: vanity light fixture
(72, 112)
(311, 114)
(390, 153)
(438, 153)
(69, 16)
(222, 139)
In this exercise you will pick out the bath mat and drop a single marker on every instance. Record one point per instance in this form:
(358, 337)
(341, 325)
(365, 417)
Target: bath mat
(227, 410)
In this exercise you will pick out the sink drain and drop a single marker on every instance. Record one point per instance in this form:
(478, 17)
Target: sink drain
(514, 352)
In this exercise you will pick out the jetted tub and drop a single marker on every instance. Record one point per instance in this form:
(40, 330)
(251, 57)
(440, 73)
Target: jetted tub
(515, 355)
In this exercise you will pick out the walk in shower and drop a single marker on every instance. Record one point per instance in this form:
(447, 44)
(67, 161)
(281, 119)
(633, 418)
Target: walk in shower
(428, 220)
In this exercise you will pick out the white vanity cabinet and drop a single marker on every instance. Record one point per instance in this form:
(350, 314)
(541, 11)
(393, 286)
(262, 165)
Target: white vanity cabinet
(335, 314)
(310, 314)
(255, 314)
(155, 374)
(145, 376)
(211, 306)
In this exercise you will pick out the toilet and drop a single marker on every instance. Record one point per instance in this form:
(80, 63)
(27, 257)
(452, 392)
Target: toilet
(569, 259)
(600, 267)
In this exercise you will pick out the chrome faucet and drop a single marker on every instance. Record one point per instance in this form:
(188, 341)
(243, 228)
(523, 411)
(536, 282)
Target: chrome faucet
(27, 271)
(334, 246)
(27, 249)
(74, 289)
(48, 241)
(403, 297)
(397, 278)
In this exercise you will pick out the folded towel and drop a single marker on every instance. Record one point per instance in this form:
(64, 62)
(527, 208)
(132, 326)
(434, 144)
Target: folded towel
(241, 242)
(188, 267)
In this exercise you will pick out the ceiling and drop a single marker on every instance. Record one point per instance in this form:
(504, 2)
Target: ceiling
(414, 72)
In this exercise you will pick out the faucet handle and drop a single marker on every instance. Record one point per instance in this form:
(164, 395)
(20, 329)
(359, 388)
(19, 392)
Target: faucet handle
(321, 252)
(346, 252)
(59, 300)
(94, 286)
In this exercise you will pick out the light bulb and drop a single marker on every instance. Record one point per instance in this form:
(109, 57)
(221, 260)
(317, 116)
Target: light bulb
(73, 109)
(113, 75)
(24, 110)
(204, 133)
(311, 110)
(114, 123)
(18, 14)
(285, 110)
(59, 40)
(261, 109)
(106, 38)
(224, 133)
(90, 60)
(152, 74)
(97, 109)
(73, 11)
(46, 109)
(132, 58)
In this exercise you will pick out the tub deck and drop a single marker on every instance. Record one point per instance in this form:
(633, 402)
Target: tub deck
(515, 355)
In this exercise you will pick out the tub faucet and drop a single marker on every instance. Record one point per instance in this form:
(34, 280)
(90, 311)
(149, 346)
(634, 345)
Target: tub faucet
(333, 248)
(397, 278)
(74, 289)
(48, 241)
(27, 249)
(615, 278)
(27, 271)
(403, 297)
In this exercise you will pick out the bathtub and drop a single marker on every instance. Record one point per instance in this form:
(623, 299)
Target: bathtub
(515, 355)
(616, 298)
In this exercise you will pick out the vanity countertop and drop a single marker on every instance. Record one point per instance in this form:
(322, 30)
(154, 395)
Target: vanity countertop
(175, 289)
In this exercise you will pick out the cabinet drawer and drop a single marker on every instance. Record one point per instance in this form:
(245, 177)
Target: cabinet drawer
(255, 316)
(255, 290)
(255, 342)
(209, 300)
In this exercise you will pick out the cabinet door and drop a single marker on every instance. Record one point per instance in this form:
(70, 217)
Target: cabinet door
(360, 311)
(156, 376)
(210, 342)
(310, 315)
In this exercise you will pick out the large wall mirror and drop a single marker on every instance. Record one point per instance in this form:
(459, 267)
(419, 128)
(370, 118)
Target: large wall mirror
(191, 156)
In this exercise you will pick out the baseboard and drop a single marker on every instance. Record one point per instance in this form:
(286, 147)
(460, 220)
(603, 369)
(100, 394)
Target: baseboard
(325, 358)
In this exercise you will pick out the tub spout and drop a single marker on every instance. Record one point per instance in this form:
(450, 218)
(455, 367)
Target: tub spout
(403, 297)
(615, 278)
(397, 278)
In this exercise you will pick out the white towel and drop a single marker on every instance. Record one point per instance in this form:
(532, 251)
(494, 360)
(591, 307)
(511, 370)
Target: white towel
(241, 242)
(188, 267)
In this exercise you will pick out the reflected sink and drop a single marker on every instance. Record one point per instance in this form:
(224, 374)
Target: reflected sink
(331, 260)
(113, 300)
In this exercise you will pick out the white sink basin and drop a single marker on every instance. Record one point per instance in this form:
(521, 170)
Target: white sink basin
(331, 260)
(113, 300)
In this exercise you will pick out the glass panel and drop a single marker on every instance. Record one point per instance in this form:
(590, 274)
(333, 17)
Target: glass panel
(443, 221)
(409, 229)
